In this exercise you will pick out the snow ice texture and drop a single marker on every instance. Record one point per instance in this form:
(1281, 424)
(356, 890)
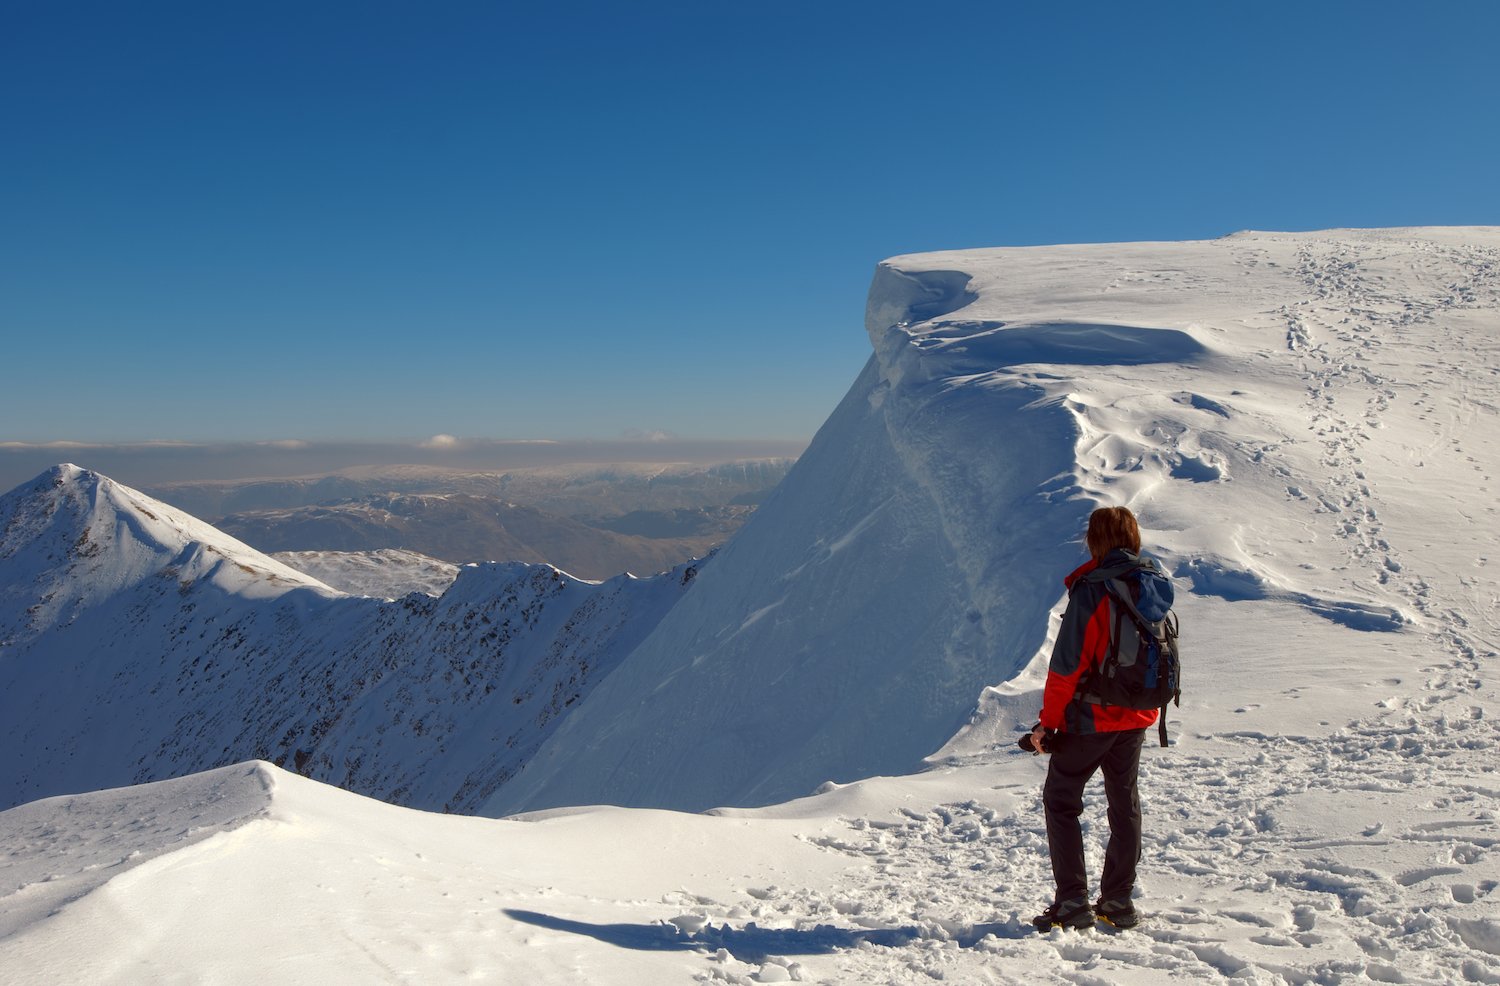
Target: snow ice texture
(1307, 426)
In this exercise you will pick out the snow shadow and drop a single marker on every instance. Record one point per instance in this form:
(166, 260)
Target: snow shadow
(986, 345)
(752, 943)
(943, 291)
(1203, 404)
(1213, 578)
(1196, 469)
(1355, 616)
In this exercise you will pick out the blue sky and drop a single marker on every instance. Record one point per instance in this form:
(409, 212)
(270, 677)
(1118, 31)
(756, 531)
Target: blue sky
(375, 221)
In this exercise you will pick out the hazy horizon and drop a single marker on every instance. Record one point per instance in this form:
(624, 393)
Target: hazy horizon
(146, 464)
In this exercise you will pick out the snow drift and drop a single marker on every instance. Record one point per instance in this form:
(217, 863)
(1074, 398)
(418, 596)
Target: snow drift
(906, 561)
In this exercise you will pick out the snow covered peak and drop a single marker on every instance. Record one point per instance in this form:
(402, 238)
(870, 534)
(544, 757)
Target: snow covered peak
(138, 643)
(80, 537)
(69, 473)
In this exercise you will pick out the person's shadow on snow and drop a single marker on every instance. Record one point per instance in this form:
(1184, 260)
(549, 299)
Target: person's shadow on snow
(752, 943)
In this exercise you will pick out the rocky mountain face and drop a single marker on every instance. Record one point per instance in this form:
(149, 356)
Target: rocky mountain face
(137, 643)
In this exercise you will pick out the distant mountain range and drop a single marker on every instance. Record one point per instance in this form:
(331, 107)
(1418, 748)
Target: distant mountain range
(462, 527)
(584, 491)
(592, 521)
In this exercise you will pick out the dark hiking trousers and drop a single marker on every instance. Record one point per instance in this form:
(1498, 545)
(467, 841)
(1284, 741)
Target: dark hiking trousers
(1074, 759)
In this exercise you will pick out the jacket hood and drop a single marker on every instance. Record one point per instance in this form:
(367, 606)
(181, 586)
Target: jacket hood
(1079, 573)
(1156, 594)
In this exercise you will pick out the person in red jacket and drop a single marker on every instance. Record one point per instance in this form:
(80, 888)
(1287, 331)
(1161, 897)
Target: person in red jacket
(1083, 736)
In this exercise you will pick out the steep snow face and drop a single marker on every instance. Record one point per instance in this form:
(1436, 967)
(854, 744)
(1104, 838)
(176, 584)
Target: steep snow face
(1267, 403)
(140, 643)
(834, 638)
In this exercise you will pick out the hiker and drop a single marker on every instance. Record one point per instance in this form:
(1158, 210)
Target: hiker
(1084, 734)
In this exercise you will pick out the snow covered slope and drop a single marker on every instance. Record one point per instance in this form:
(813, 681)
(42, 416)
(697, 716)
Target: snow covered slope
(137, 643)
(250, 874)
(387, 573)
(1267, 862)
(1303, 421)
(1316, 464)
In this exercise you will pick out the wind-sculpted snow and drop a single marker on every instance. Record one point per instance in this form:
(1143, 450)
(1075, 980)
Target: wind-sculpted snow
(1365, 855)
(839, 611)
(1258, 400)
(52, 862)
(142, 644)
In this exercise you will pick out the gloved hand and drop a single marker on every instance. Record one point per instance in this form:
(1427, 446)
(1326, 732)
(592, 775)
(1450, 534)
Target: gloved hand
(1036, 742)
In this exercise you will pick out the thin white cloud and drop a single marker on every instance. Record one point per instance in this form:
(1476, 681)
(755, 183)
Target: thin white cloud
(42, 445)
(154, 443)
(153, 463)
(649, 435)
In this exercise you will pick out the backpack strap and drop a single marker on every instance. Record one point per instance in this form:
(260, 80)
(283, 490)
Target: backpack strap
(1116, 590)
(1120, 591)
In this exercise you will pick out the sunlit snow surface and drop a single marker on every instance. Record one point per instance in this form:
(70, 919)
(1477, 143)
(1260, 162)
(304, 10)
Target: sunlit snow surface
(387, 573)
(1307, 425)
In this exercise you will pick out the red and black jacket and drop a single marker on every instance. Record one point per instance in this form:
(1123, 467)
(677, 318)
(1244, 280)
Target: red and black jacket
(1082, 640)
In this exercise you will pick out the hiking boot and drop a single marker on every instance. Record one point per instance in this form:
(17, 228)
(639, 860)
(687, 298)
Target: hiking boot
(1120, 913)
(1074, 914)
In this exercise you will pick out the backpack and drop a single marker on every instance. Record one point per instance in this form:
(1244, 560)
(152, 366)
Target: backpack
(1141, 669)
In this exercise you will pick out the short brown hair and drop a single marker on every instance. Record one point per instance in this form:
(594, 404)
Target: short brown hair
(1111, 528)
